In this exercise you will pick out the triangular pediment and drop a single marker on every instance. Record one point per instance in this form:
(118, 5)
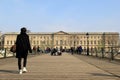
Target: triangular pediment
(61, 32)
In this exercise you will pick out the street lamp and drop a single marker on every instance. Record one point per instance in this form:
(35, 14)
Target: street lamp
(74, 43)
(52, 45)
(103, 48)
(87, 43)
(112, 55)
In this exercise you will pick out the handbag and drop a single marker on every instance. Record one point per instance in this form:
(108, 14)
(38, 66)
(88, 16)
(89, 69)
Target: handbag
(13, 48)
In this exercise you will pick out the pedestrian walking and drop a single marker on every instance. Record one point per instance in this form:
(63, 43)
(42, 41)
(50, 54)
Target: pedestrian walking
(38, 50)
(34, 50)
(22, 48)
(72, 50)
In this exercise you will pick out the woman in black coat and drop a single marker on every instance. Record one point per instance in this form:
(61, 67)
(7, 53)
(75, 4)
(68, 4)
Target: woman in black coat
(22, 48)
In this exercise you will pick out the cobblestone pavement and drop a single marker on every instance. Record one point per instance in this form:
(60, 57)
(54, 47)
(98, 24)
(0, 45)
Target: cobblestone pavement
(65, 67)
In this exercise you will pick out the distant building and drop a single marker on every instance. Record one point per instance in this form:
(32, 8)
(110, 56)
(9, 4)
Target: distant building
(119, 41)
(0, 39)
(66, 39)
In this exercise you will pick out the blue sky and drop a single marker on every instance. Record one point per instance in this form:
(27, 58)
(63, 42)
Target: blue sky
(57, 15)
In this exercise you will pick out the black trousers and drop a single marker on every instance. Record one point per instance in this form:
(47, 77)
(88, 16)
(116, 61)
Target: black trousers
(24, 62)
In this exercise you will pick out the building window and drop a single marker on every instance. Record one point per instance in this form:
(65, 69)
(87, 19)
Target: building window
(91, 37)
(34, 37)
(61, 42)
(84, 42)
(37, 42)
(98, 37)
(84, 37)
(77, 42)
(34, 42)
(94, 37)
(94, 42)
(91, 42)
(11, 42)
(80, 42)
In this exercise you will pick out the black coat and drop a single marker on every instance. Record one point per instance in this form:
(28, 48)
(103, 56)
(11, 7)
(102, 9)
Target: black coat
(22, 46)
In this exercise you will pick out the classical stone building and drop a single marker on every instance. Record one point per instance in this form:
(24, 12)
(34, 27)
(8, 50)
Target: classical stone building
(0, 39)
(66, 39)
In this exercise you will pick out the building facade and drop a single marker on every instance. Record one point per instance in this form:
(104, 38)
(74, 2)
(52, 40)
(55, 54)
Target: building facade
(64, 40)
(0, 39)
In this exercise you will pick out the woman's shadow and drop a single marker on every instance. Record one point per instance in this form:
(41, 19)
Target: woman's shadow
(9, 71)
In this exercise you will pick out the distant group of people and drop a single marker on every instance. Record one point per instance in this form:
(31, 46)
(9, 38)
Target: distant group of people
(56, 51)
(78, 50)
(53, 51)
(37, 50)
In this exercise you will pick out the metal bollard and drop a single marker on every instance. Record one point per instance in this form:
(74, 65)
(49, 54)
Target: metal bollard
(5, 53)
(112, 55)
(102, 52)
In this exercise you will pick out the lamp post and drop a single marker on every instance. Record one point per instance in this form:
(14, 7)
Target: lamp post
(74, 41)
(31, 41)
(103, 48)
(74, 44)
(52, 43)
(112, 55)
(87, 44)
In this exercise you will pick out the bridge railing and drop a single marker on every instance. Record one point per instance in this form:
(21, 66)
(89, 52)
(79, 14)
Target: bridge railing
(112, 53)
(4, 53)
